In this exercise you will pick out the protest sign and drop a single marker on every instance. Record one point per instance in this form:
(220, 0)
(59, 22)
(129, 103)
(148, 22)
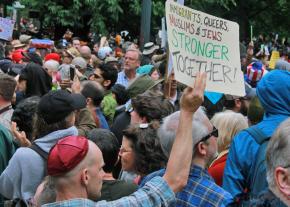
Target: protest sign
(205, 43)
(274, 57)
(6, 28)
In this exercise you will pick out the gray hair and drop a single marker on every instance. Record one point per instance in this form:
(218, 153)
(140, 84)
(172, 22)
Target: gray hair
(278, 151)
(137, 51)
(167, 131)
(282, 65)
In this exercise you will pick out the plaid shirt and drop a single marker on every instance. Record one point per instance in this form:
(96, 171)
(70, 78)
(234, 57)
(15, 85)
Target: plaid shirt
(200, 190)
(122, 79)
(155, 193)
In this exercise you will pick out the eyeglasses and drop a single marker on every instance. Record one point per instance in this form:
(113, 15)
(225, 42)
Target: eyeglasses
(214, 133)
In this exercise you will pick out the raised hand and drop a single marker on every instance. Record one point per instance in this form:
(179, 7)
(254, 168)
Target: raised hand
(192, 98)
(19, 136)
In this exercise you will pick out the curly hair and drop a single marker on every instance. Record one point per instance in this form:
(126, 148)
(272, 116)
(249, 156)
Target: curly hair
(153, 107)
(145, 143)
(24, 113)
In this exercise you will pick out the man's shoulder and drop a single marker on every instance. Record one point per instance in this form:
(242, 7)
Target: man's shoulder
(206, 188)
(72, 203)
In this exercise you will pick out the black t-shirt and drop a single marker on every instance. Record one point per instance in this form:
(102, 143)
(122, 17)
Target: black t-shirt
(115, 189)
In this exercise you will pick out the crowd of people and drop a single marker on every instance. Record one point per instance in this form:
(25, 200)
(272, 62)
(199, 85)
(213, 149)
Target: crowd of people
(105, 124)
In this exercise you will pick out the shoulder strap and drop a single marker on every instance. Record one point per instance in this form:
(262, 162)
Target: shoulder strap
(39, 151)
(257, 134)
(5, 109)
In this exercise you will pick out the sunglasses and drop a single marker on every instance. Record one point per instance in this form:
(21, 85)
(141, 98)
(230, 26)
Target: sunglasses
(214, 133)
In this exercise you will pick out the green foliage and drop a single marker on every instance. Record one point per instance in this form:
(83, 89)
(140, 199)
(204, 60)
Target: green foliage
(103, 16)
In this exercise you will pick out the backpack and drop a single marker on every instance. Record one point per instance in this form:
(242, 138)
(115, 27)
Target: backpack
(19, 202)
(39, 151)
(258, 182)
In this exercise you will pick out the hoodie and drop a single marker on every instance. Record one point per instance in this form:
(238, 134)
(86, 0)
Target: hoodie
(273, 91)
(26, 169)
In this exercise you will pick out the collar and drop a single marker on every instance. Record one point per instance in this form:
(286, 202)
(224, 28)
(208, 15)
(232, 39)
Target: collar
(197, 171)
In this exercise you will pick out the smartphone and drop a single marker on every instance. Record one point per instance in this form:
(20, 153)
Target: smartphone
(72, 73)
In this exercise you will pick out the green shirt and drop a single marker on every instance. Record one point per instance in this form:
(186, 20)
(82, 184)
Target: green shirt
(108, 107)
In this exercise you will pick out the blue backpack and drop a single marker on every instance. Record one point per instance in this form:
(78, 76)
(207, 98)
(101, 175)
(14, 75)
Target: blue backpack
(257, 180)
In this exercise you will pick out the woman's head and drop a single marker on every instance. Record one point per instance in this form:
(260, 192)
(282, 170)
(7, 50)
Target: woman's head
(24, 113)
(228, 125)
(141, 151)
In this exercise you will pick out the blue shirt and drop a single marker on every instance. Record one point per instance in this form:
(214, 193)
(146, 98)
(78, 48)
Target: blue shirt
(102, 119)
(122, 79)
(154, 193)
(200, 190)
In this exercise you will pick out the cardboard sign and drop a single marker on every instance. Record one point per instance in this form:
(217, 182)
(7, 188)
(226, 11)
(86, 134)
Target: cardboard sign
(205, 43)
(6, 28)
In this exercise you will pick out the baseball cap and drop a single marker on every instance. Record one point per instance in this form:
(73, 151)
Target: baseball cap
(141, 84)
(56, 105)
(66, 154)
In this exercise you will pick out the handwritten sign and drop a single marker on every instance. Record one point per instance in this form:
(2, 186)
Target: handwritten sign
(6, 28)
(205, 43)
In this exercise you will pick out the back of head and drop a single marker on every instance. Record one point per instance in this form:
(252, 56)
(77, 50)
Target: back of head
(93, 90)
(273, 91)
(278, 151)
(152, 106)
(120, 93)
(7, 87)
(168, 129)
(282, 65)
(52, 65)
(85, 52)
(228, 124)
(24, 114)
(145, 143)
(109, 146)
(55, 111)
(255, 111)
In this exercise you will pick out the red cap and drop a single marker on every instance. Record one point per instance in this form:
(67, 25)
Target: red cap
(66, 155)
(17, 56)
(52, 56)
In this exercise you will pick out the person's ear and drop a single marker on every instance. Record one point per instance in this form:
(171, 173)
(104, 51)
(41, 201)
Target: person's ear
(106, 83)
(85, 177)
(282, 180)
(89, 101)
(202, 148)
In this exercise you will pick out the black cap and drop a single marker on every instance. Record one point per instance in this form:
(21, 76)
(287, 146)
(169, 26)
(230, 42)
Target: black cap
(56, 105)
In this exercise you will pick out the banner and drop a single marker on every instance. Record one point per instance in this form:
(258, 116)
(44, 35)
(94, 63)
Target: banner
(6, 28)
(205, 43)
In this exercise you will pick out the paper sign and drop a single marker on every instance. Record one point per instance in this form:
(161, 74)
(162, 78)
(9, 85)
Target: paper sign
(274, 57)
(6, 28)
(205, 43)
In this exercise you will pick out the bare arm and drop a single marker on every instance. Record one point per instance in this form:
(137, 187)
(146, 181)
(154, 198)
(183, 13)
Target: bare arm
(178, 166)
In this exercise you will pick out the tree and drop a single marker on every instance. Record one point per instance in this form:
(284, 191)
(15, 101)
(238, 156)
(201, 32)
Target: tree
(115, 15)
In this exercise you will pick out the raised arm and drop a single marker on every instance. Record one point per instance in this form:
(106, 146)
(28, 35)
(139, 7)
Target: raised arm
(178, 166)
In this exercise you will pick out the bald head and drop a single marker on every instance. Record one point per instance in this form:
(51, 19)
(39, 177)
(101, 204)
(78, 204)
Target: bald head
(85, 52)
(85, 180)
